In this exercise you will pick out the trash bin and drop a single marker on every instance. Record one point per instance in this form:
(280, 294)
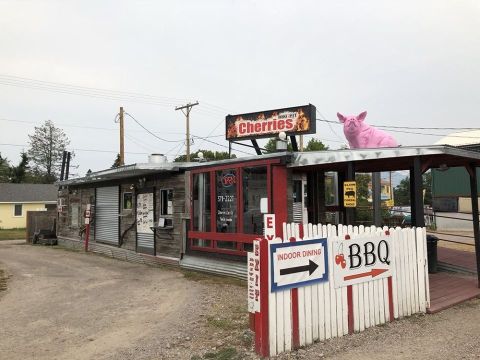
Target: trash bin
(432, 253)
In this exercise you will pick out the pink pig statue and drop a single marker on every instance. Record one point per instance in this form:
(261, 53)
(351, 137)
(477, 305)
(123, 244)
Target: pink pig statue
(361, 135)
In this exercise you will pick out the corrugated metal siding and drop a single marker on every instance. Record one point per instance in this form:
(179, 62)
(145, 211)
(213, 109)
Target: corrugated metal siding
(106, 215)
(146, 243)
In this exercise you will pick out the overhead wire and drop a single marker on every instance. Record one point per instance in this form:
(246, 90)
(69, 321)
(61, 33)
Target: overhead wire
(394, 129)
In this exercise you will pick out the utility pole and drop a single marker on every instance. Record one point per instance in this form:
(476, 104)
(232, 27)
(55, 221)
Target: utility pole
(186, 111)
(122, 135)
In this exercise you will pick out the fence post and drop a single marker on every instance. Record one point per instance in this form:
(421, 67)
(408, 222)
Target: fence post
(263, 334)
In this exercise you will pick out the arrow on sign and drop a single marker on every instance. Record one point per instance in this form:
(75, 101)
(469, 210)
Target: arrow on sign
(373, 273)
(311, 267)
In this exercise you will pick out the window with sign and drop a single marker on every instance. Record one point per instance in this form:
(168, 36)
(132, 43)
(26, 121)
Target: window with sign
(226, 196)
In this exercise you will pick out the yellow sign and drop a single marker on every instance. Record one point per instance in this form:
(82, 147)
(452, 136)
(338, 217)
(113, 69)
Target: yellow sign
(389, 203)
(350, 194)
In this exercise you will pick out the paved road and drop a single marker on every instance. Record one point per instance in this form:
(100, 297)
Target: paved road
(68, 305)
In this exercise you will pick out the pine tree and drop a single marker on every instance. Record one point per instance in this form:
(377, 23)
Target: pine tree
(46, 150)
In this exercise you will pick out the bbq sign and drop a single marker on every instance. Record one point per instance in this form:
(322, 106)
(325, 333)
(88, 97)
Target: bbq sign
(293, 121)
(362, 259)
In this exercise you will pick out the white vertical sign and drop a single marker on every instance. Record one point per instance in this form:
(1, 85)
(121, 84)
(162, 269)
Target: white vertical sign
(254, 278)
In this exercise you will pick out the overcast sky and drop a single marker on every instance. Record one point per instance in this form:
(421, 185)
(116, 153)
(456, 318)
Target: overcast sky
(408, 63)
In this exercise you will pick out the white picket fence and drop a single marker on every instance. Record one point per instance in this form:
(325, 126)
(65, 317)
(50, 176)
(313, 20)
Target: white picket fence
(323, 309)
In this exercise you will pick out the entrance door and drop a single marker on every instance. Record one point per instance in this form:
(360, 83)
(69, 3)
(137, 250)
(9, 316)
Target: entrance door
(145, 223)
(106, 215)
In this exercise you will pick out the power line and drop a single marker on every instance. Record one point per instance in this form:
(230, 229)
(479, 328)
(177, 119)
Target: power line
(150, 132)
(93, 92)
(86, 150)
(393, 129)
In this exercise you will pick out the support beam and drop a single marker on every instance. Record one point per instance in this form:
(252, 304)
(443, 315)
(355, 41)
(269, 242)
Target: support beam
(293, 140)
(257, 148)
(377, 199)
(349, 176)
(476, 228)
(416, 193)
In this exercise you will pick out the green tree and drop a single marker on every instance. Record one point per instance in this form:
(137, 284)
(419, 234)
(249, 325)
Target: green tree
(116, 163)
(4, 170)
(208, 155)
(20, 173)
(401, 192)
(312, 145)
(46, 150)
(362, 188)
(315, 145)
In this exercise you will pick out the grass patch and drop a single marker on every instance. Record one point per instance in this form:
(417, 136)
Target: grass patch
(12, 234)
(212, 279)
(223, 354)
(219, 323)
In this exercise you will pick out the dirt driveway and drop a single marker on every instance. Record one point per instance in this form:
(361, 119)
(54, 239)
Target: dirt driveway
(61, 304)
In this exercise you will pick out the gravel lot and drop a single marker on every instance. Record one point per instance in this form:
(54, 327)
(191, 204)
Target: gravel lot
(61, 304)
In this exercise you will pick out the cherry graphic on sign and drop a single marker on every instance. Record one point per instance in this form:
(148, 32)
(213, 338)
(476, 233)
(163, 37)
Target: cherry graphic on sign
(340, 260)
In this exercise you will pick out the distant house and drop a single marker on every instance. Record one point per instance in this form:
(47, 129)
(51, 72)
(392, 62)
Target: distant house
(450, 186)
(17, 199)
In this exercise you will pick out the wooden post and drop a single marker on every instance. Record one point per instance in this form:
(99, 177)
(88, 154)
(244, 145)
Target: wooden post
(122, 141)
(476, 228)
(377, 198)
(416, 193)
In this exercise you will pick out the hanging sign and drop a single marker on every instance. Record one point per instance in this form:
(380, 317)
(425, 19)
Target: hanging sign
(350, 194)
(362, 259)
(293, 121)
(297, 264)
(269, 226)
(145, 213)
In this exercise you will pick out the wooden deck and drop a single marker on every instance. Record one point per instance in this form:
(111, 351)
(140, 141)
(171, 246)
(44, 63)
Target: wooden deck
(447, 290)
(458, 259)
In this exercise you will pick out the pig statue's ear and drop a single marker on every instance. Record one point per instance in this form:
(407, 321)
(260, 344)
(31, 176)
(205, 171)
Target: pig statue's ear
(362, 116)
(341, 117)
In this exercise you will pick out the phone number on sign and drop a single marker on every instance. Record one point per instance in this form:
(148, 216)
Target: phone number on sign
(225, 198)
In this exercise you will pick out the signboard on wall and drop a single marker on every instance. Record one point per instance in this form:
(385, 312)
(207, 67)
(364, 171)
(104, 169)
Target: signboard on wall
(297, 264)
(145, 213)
(362, 259)
(226, 190)
(349, 194)
(296, 120)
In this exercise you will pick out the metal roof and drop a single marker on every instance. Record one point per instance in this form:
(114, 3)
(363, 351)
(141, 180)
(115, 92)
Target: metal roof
(128, 171)
(144, 169)
(23, 193)
(385, 159)
(367, 160)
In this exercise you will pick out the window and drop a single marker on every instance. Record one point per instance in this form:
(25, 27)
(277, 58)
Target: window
(18, 210)
(127, 201)
(226, 190)
(166, 202)
(201, 202)
(166, 208)
(254, 189)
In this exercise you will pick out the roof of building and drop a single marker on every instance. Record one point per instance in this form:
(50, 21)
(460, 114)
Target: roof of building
(22, 193)
(387, 159)
(461, 138)
(145, 169)
(366, 160)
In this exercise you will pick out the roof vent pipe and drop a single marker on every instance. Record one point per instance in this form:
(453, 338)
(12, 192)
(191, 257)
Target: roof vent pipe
(157, 159)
